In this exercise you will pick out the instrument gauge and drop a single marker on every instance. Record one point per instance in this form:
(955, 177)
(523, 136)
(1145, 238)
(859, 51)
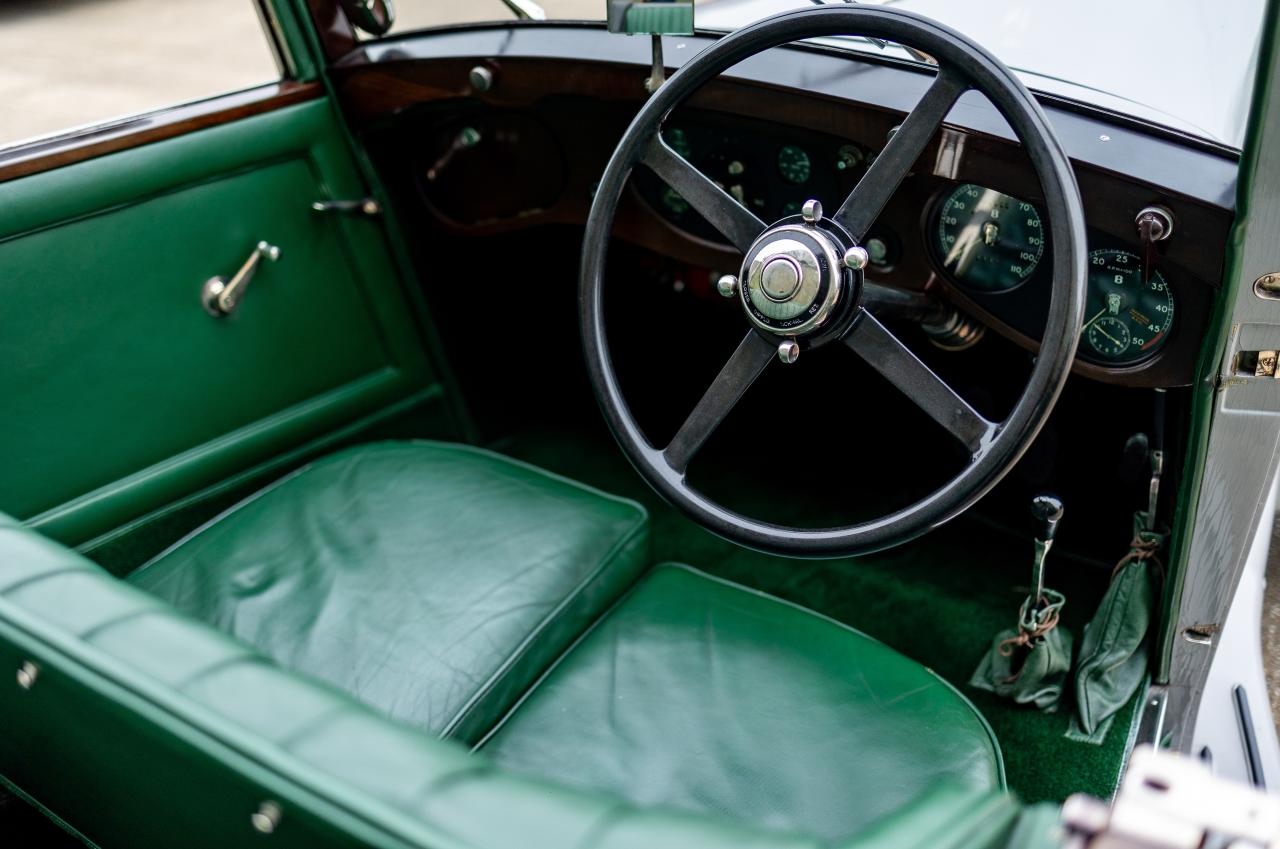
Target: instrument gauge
(678, 140)
(1108, 336)
(1127, 315)
(989, 241)
(794, 164)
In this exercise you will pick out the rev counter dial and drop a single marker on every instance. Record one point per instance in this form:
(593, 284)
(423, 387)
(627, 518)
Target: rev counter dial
(1127, 318)
(989, 241)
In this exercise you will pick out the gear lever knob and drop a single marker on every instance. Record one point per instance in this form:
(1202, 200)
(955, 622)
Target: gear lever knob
(1047, 511)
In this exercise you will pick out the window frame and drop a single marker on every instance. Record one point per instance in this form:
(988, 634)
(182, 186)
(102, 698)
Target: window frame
(85, 141)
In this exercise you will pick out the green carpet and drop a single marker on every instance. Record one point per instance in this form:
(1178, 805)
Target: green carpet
(938, 600)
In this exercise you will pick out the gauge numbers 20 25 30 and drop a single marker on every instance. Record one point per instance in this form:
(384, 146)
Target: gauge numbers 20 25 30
(1127, 315)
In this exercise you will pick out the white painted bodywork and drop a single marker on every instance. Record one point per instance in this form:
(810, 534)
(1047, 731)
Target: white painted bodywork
(1184, 64)
(1239, 661)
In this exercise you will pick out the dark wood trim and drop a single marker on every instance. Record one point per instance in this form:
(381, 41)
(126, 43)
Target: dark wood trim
(400, 107)
(55, 152)
(337, 35)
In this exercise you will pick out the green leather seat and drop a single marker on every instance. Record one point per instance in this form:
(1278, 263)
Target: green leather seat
(690, 695)
(433, 581)
(702, 695)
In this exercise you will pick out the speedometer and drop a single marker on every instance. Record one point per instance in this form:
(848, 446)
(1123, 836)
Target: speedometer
(1127, 318)
(989, 241)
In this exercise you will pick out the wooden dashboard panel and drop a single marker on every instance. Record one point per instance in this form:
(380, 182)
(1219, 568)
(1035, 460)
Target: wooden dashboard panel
(577, 110)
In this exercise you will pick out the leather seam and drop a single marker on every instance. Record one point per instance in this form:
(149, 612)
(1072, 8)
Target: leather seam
(102, 627)
(440, 782)
(569, 650)
(381, 446)
(245, 654)
(312, 725)
(230, 511)
(506, 459)
(242, 478)
(624, 542)
(33, 579)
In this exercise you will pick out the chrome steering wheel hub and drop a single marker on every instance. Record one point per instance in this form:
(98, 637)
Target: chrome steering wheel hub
(793, 279)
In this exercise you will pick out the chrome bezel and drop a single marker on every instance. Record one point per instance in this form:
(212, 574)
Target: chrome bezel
(817, 295)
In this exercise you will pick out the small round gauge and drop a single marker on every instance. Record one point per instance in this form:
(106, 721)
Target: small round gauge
(794, 165)
(673, 202)
(1108, 336)
(848, 157)
(1127, 318)
(989, 241)
(678, 140)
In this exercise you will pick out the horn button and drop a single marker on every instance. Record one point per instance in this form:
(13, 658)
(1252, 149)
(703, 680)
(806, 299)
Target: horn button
(794, 279)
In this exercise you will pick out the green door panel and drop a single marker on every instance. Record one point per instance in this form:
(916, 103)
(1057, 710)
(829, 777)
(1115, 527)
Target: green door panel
(121, 392)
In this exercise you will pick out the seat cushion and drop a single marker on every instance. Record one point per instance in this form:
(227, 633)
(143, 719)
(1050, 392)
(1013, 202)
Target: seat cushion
(433, 581)
(700, 694)
(134, 709)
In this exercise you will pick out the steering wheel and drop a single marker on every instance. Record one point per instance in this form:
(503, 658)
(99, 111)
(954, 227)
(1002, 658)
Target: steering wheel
(801, 281)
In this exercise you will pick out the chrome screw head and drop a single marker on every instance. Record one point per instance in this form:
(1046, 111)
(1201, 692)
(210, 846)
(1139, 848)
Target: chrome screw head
(811, 212)
(27, 674)
(857, 258)
(727, 285)
(481, 78)
(266, 818)
(789, 351)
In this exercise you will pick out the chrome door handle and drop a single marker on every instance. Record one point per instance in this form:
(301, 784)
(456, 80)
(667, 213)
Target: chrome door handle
(363, 206)
(221, 296)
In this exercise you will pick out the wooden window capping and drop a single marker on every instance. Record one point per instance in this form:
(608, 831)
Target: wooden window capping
(79, 145)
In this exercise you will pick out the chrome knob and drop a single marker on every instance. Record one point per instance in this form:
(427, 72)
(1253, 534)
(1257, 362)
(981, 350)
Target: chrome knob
(1047, 510)
(727, 285)
(857, 258)
(481, 78)
(811, 212)
(780, 278)
(27, 674)
(789, 351)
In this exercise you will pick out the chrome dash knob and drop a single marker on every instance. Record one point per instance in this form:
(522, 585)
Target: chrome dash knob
(727, 285)
(856, 258)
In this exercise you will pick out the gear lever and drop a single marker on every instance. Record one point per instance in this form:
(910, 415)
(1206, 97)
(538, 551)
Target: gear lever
(1047, 511)
(1029, 663)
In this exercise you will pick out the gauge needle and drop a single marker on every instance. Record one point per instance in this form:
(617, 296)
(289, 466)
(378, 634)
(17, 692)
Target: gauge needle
(1109, 336)
(1100, 314)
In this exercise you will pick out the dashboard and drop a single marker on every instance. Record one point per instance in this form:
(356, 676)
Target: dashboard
(982, 246)
(965, 226)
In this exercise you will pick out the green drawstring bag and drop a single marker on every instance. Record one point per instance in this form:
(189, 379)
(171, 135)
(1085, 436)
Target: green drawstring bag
(1029, 664)
(1113, 651)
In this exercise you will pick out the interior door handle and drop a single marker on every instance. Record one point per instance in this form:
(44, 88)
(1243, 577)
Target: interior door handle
(363, 206)
(221, 296)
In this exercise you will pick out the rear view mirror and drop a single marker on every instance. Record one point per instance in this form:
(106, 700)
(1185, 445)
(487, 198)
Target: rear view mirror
(375, 17)
(650, 17)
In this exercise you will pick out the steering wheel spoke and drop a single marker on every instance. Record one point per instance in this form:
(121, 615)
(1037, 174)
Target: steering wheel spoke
(734, 221)
(869, 196)
(803, 282)
(884, 352)
(748, 361)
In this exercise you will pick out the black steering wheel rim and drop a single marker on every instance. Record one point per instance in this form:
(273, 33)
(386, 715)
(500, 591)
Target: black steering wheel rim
(997, 448)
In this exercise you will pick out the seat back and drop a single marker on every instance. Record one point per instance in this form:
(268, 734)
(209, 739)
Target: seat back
(139, 727)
